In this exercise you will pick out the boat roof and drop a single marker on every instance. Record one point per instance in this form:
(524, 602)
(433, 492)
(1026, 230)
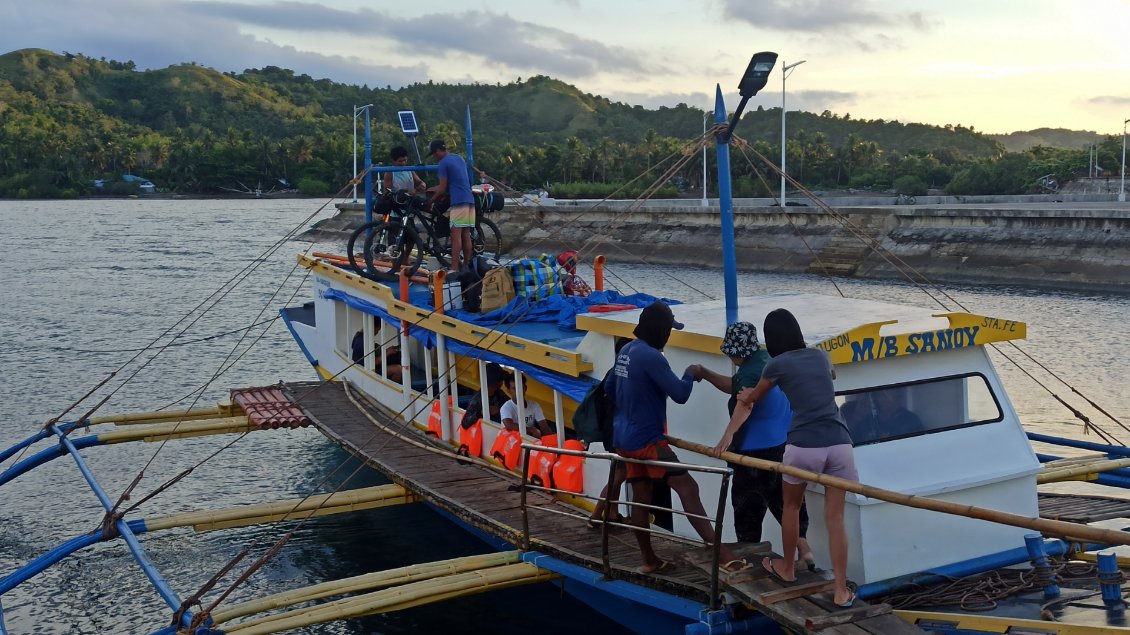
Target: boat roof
(850, 329)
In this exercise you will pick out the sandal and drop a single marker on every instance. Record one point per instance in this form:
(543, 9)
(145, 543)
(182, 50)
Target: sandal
(594, 523)
(742, 565)
(767, 564)
(848, 603)
(664, 566)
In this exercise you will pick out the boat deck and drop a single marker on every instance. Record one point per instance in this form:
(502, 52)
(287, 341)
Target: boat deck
(1082, 509)
(489, 500)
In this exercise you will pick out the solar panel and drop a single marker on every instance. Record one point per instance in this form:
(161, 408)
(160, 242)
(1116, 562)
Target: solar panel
(408, 122)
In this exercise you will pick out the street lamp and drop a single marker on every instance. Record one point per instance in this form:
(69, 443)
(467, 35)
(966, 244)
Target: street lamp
(1122, 183)
(356, 111)
(705, 115)
(785, 72)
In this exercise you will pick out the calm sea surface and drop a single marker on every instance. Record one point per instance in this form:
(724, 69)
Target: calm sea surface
(86, 283)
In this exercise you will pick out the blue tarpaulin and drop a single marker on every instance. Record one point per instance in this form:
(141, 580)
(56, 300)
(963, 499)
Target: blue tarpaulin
(554, 307)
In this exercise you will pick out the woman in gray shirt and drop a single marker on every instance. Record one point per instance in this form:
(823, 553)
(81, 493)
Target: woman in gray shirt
(818, 441)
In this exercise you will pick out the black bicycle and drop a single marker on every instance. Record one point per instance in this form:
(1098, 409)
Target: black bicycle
(408, 233)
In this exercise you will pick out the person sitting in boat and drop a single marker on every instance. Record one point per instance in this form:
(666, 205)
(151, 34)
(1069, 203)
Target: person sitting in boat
(571, 283)
(818, 441)
(496, 398)
(395, 370)
(535, 423)
(892, 418)
(408, 181)
(760, 435)
(859, 415)
(639, 386)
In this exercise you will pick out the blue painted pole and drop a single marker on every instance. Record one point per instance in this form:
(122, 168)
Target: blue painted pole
(46, 560)
(961, 569)
(32, 440)
(44, 456)
(726, 208)
(3, 631)
(1084, 445)
(163, 589)
(1034, 543)
(1110, 578)
(368, 172)
(470, 150)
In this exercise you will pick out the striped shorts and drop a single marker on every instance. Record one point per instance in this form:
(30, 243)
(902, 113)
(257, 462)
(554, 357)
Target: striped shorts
(462, 215)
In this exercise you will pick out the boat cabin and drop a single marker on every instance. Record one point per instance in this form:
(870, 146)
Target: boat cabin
(925, 407)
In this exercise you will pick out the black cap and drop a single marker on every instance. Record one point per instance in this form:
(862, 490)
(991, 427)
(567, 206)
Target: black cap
(436, 144)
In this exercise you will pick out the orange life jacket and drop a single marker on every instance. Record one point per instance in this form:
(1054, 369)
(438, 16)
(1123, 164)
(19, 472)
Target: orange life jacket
(507, 448)
(541, 465)
(569, 473)
(471, 439)
(435, 420)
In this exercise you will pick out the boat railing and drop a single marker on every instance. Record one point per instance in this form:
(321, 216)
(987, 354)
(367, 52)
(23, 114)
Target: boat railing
(613, 462)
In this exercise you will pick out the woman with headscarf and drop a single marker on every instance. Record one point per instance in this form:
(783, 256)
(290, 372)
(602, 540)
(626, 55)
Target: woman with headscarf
(818, 441)
(638, 386)
(758, 432)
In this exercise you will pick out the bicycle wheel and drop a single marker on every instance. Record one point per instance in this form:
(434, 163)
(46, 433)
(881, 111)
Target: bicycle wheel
(380, 233)
(436, 246)
(487, 240)
(389, 248)
(910, 200)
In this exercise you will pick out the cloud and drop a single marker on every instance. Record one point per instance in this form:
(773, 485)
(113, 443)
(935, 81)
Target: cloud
(1110, 100)
(498, 39)
(819, 15)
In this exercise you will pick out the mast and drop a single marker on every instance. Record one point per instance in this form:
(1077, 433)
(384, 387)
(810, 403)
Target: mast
(726, 208)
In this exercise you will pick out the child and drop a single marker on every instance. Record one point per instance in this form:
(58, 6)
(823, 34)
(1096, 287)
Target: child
(535, 425)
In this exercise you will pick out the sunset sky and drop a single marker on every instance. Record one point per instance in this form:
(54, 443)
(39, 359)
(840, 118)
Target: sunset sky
(998, 66)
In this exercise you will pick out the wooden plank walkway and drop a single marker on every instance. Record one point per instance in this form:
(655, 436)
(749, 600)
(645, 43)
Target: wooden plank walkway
(1082, 509)
(488, 500)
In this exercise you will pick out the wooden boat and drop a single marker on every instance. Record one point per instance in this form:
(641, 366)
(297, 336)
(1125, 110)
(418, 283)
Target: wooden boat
(919, 521)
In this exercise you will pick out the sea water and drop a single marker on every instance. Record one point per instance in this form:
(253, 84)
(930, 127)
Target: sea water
(88, 285)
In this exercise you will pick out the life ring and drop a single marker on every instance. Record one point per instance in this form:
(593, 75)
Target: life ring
(611, 308)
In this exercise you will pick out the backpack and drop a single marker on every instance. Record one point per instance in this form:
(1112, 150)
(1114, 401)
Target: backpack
(593, 417)
(497, 290)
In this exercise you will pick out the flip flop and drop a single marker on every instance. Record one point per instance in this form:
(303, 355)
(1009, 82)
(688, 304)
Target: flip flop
(767, 564)
(664, 566)
(742, 563)
(850, 601)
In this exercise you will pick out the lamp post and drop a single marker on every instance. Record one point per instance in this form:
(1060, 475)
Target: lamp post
(785, 72)
(1122, 183)
(705, 115)
(356, 111)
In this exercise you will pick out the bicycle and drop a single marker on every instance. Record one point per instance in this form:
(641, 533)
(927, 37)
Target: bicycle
(409, 227)
(905, 199)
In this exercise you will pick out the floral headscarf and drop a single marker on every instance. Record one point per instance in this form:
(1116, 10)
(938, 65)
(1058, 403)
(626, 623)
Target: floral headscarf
(740, 340)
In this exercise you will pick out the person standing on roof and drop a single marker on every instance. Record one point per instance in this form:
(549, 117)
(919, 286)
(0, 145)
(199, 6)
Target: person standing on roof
(638, 386)
(455, 182)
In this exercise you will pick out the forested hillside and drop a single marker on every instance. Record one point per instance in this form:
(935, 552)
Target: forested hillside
(66, 120)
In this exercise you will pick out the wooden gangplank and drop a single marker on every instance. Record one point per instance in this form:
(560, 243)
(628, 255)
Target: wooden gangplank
(1078, 508)
(490, 501)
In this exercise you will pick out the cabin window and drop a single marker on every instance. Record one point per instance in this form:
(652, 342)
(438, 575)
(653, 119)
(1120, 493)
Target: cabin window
(897, 411)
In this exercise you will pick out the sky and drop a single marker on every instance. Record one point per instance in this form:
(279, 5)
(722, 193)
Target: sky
(996, 65)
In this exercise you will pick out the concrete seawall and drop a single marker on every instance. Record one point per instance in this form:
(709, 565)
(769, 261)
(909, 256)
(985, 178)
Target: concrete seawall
(1077, 245)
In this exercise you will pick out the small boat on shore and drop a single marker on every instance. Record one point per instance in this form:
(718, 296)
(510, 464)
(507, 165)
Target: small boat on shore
(949, 530)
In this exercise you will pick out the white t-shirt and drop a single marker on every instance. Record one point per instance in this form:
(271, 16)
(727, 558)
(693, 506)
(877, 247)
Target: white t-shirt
(533, 413)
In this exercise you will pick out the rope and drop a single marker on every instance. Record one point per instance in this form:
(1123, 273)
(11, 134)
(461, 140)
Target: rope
(981, 592)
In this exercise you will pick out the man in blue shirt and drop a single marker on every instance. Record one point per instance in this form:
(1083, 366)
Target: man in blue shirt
(638, 386)
(454, 181)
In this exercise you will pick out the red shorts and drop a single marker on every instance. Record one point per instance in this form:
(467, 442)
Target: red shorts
(658, 451)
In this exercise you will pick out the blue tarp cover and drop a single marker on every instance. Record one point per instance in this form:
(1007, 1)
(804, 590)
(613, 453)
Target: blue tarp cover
(557, 309)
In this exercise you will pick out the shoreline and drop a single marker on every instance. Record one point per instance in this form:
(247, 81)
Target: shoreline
(1083, 246)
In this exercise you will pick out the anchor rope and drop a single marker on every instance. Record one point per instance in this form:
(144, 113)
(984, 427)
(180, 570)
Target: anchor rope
(983, 591)
(184, 343)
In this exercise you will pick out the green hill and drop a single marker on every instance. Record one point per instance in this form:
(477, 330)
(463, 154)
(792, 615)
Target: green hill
(1048, 137)
(68, 119)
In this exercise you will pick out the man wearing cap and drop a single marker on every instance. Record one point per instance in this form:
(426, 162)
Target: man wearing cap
(759, 433)
(454, 181)
(638, 386)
